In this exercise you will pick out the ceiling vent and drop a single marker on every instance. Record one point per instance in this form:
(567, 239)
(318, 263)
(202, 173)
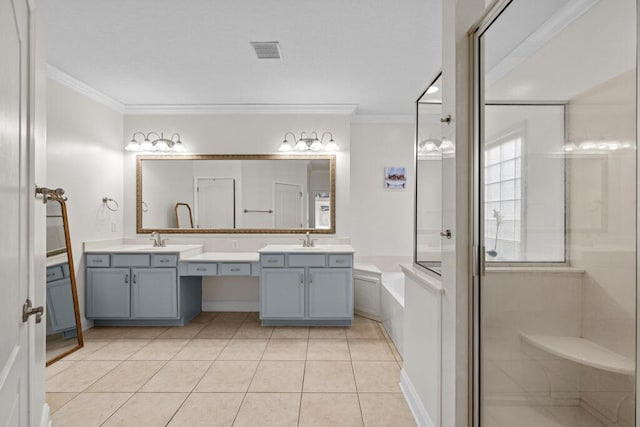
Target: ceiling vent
(267, 50)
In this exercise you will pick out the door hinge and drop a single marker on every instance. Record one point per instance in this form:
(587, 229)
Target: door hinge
(28, 310)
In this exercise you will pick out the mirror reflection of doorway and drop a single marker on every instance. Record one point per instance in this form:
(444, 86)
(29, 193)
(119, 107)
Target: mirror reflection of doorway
(215, 202)
(288, 205)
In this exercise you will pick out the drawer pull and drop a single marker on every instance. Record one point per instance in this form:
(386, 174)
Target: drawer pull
(339, 261)
(97, 261)
(50, 275)
(235, 269)
(272, 261)
(201, 269)
(164, 260)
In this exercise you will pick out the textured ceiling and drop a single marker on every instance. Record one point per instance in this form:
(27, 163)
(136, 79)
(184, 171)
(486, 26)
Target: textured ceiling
(376, 54)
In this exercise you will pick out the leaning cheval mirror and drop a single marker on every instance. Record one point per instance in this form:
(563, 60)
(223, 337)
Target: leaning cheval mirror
(64, 331)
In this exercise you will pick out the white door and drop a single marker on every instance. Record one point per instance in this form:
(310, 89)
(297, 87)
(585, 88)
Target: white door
(15, 213)
(288, 205)
(216, 199)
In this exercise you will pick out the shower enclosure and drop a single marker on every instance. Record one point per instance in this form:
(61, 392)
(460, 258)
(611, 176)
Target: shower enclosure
(555, 210)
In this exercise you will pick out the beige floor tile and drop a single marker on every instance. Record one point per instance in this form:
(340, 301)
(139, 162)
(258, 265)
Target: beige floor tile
(365, 331)
(231, 317)
(177, 376)
(253, 330)
(218, 330)
(120, 349)
(329, 376)
(57, 367)
(240, 349)
(187, 331)
(269, 410)
(128, 376)
(364, 349)
(89, 409)
(327, 332)
(159, 349)
(144, 332)
(278, 377)
(385, 410)
(377, 377)
(330, 409)
(299, 332)
(201, 349)
(227, 377)
(79, 376)
(286, 349)
(253, 316)
(204, 317)
(324, 349)
(89, 347)
(147, 409)
(58, 400)
(208, 410)
(104, 333)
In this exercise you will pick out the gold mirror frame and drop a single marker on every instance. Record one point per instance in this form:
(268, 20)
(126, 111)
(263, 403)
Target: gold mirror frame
(332, 185)
(72, 277)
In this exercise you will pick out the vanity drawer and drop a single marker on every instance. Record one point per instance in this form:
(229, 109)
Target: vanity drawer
(272, 260)
(164, 260)
(97, 260)
(54, 273)
(65, 270)
(341, 260)
(202, 269)
(131, 260)
(235, 269)
(307, 260)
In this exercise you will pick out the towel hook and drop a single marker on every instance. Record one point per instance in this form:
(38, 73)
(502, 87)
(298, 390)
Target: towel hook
(108, 202)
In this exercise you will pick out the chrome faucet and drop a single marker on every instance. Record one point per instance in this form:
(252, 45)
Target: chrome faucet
(158, 242)
(308, 242)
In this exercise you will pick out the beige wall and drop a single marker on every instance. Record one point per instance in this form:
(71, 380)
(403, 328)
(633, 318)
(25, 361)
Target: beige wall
(84, 156)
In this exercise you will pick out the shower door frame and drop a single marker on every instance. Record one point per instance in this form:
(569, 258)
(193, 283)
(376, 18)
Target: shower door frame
(478, 257)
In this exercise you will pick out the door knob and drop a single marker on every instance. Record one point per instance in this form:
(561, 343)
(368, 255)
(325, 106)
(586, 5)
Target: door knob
(446, 233)
(28, 310)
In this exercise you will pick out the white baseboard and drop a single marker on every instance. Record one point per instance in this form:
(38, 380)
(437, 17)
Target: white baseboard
(418, 410)
(230, 306)
(46, 416)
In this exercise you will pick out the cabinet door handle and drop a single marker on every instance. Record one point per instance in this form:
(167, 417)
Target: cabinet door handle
(310, 279)
(126, 278)
(301, 279)
(135, 278)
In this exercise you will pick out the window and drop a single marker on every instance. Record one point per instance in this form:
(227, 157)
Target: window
(503, 198)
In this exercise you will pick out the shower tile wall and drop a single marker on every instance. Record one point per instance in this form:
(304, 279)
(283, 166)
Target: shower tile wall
(602, 230)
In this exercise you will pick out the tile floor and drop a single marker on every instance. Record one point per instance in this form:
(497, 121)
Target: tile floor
(224, 369)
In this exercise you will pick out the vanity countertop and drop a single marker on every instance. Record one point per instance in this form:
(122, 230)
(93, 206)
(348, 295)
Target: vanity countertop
(320, 249)
(185, 250)
(223, 257)
(57, 259)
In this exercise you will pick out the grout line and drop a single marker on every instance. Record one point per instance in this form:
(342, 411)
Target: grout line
(353, 372)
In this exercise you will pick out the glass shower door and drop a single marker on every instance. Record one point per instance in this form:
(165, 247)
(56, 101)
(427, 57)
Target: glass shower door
(556, 181)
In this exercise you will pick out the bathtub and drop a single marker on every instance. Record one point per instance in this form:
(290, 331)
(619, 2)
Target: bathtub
(392, 302)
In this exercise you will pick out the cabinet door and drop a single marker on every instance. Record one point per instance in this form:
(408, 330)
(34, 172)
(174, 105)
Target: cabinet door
(330, 293)
(108, 293)
(282, 293)
(154, 292)
(60, 305)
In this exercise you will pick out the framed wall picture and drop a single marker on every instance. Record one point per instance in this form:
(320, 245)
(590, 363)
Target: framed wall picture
(395, 178)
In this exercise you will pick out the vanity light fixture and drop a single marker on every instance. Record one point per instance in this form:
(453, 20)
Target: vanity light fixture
(308, 143)
(155, 143)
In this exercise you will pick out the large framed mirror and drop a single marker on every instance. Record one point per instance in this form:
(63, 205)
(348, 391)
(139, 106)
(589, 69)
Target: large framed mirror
(236, 194)
(64, 331)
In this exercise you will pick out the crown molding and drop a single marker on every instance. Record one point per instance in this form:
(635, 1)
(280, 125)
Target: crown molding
(227, 109)
(71, 82)
(383, 118)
